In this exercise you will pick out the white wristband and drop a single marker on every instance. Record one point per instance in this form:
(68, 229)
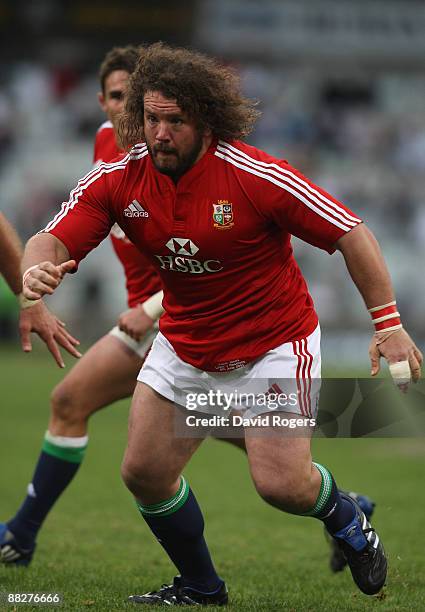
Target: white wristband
(400, 372)
(153, 306)
(25, 302)
(382, 332)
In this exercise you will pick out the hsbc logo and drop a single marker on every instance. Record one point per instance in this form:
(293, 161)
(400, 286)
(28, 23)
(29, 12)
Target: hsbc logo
(182, 246)
(182, 260)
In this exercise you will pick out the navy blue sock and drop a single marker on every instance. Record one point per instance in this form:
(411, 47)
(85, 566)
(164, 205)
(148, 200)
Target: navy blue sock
(178, 525)
(333, 510)
(56, 467)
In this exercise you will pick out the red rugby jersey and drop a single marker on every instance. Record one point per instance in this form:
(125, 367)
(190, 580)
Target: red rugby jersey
(142, 280)
(221, 241)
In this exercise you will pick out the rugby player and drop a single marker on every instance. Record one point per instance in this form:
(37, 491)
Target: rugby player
(220, 215)
(117, 357)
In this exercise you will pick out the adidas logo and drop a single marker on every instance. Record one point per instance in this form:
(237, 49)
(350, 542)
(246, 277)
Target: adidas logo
(135, 210)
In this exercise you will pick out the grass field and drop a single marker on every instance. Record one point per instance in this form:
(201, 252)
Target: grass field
(95, 549)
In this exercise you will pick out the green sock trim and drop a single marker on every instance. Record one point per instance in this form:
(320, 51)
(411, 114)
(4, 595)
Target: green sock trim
(324, 493)
(71, 454)
(169, 506)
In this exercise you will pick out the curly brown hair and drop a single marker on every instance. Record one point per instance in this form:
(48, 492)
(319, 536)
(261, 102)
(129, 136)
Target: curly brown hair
(118, 58)
(208, 92)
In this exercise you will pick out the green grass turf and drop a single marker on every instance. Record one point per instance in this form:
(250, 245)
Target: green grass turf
(95, 549)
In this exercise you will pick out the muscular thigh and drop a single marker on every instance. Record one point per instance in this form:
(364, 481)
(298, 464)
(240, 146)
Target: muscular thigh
(153, 446)
(106, 373)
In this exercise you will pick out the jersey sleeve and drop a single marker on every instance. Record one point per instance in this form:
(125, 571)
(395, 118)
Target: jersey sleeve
(303, 209)
(85, 219)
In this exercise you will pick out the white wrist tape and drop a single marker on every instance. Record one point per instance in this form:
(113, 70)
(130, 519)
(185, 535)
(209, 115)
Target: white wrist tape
(382, 332)
(400, 372)
(27, 271)
(25, 302)
(376, 308)
(153, 305)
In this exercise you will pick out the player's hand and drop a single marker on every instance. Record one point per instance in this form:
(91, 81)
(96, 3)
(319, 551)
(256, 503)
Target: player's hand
(44, 278)
(403, 356)
(38, 319)
(135, 322)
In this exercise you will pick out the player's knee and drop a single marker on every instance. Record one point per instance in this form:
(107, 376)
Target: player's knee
(146, 479)
(129, 476)
(66, 406)
(290, 493)
(272, 492)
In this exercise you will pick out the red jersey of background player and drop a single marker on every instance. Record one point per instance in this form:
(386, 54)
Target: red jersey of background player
(221, 241)
(142, 280)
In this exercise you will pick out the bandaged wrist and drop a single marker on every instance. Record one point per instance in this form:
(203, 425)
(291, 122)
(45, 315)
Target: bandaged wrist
(153, 306)
(386, 317)
(25, 302)
(382, 336)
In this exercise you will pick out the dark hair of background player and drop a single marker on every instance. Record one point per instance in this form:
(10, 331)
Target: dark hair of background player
(118, 58)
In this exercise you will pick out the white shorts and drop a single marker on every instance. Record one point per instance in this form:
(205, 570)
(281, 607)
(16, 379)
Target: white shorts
(142, 347)
(285, 379)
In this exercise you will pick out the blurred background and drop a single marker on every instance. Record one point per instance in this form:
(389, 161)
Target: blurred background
(341, 87)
